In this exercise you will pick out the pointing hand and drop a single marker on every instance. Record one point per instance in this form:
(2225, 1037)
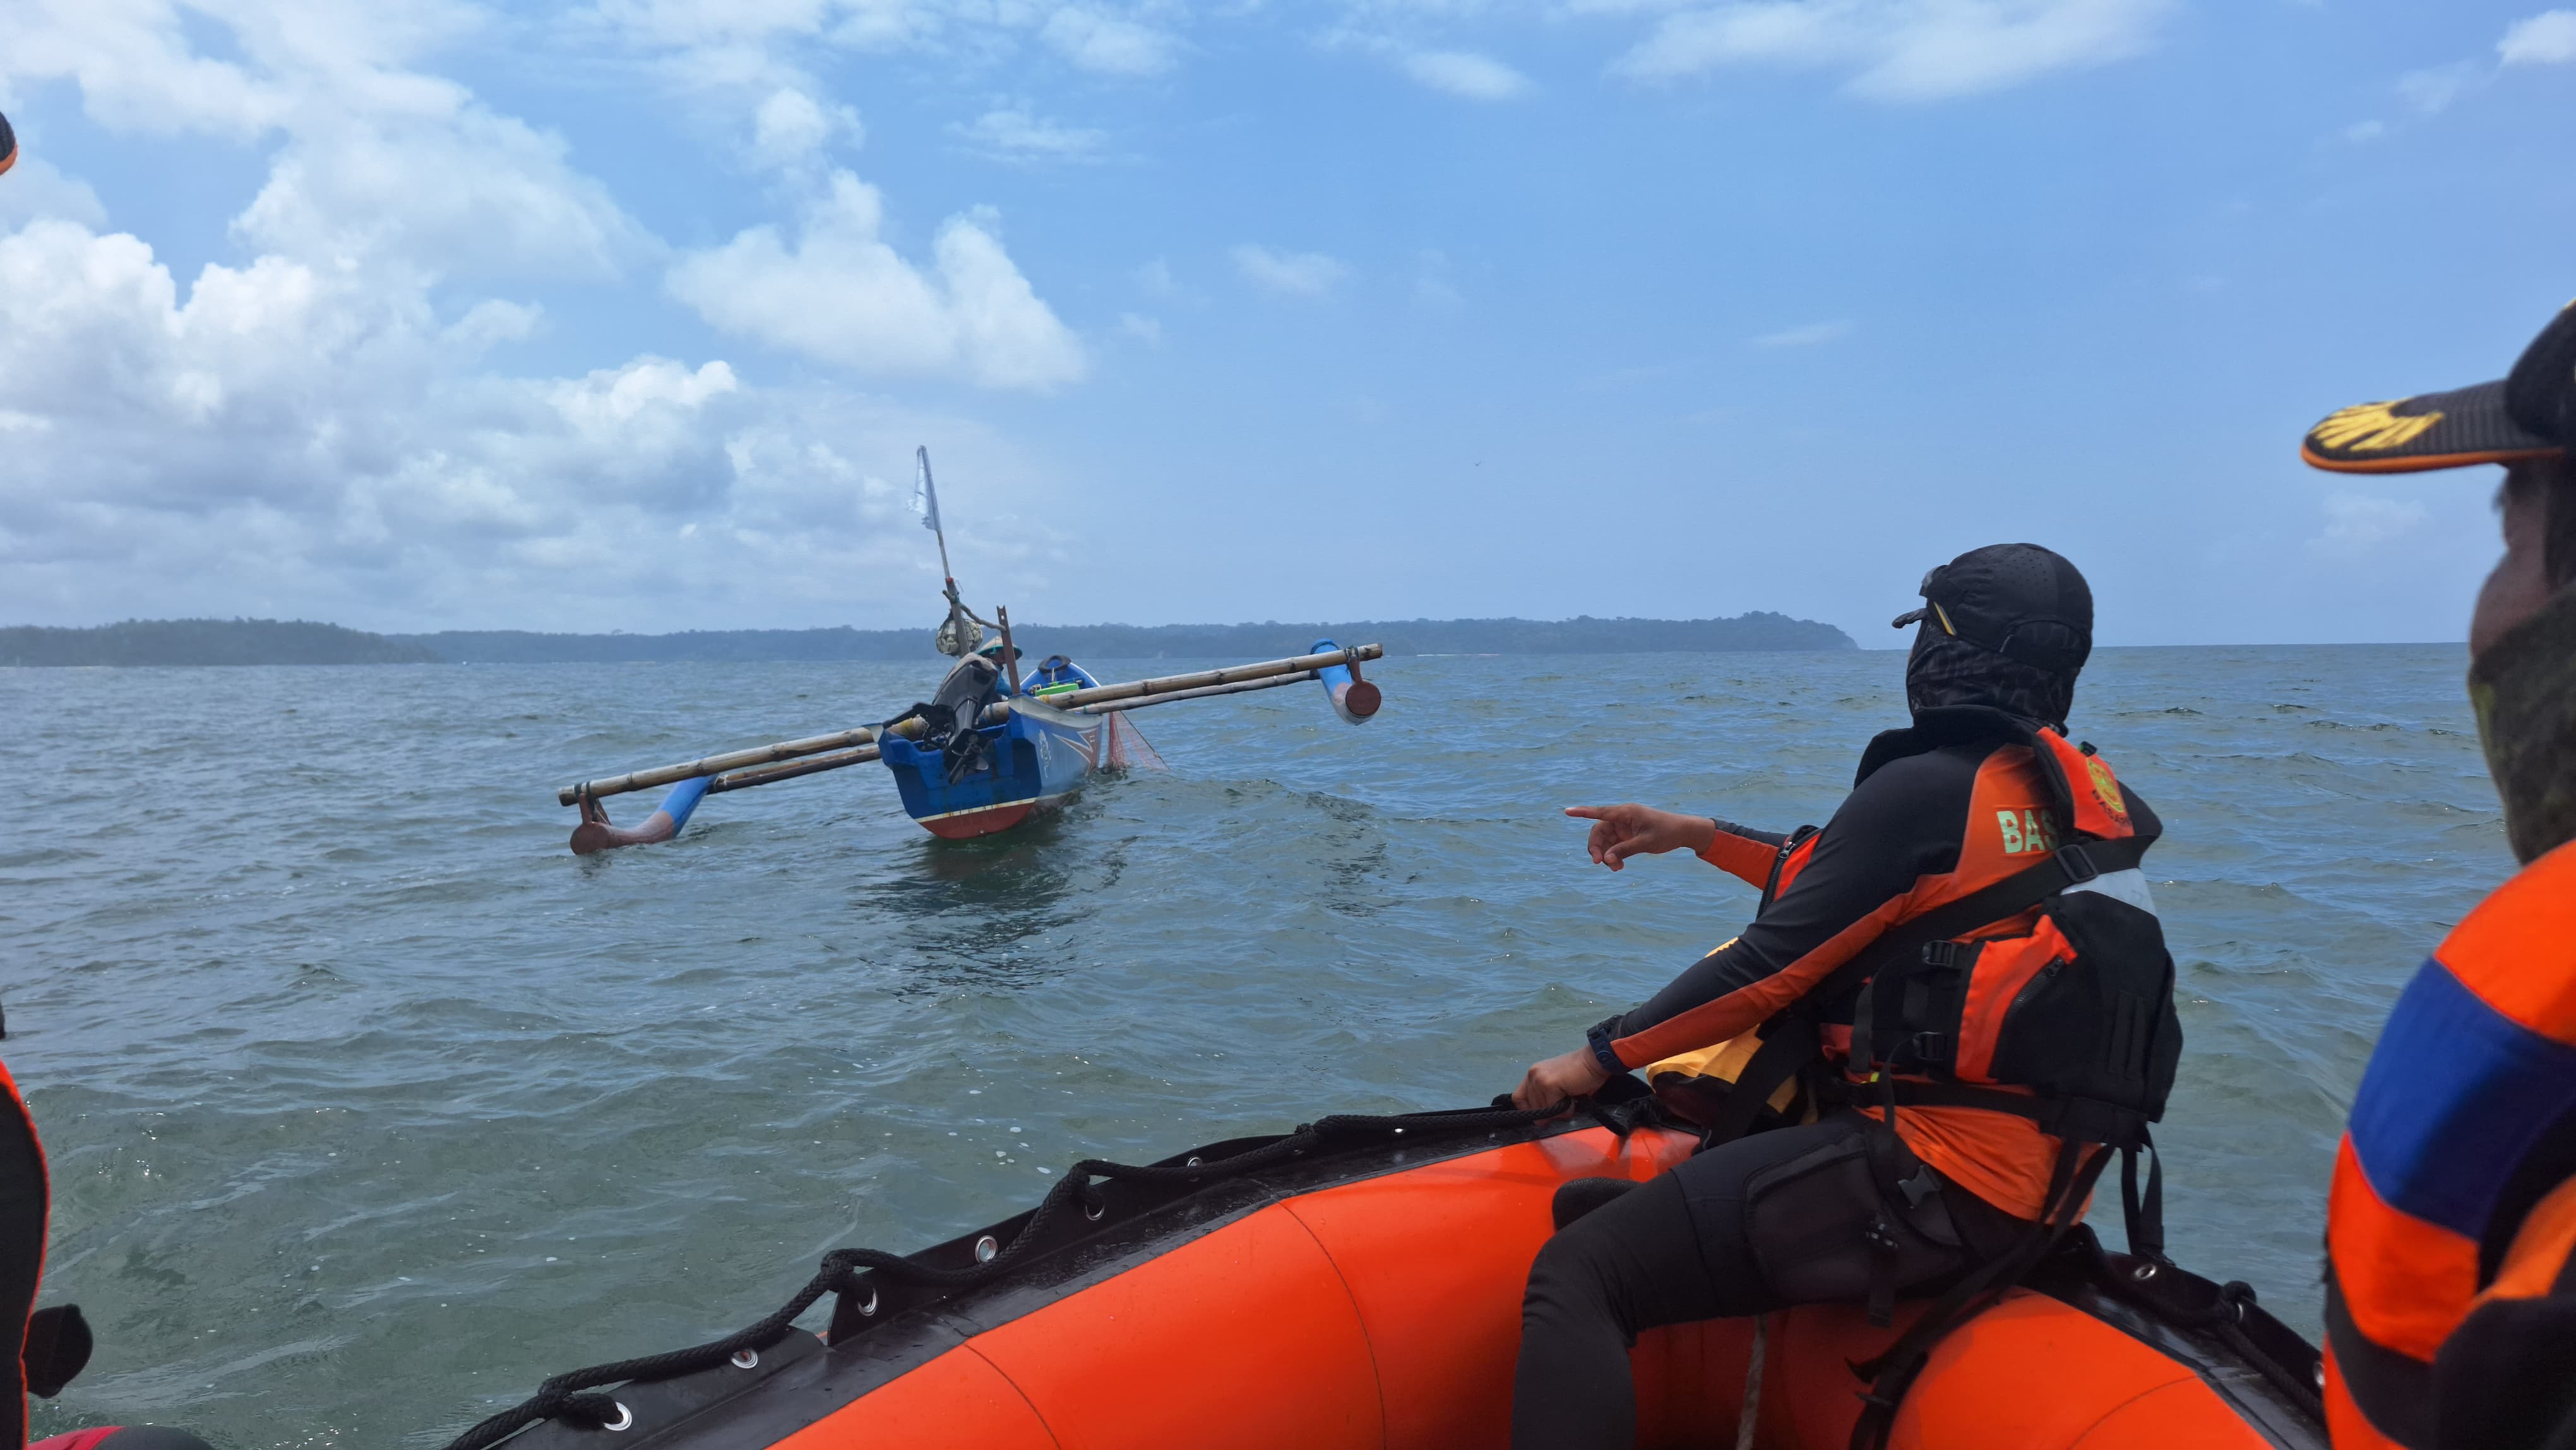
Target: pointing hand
(1622, 831)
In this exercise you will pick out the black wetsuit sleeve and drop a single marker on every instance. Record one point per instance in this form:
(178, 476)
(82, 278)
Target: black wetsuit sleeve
(1772, 839)
(1903, 823)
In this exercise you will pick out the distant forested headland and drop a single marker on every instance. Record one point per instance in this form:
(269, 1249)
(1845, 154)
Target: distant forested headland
(277, 642)
(208, 642)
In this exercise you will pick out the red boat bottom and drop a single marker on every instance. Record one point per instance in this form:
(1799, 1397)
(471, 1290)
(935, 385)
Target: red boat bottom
(968, 824)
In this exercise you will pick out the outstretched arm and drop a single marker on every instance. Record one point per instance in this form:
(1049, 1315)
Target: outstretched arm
(1902, 824)
(1622, 831)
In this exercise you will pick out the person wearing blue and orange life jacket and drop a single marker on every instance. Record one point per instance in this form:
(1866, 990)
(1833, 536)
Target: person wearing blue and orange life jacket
(1979, 853)
(2450, 1282)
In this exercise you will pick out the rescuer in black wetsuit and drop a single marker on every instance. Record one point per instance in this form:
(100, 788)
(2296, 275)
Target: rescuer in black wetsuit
(1936, 811)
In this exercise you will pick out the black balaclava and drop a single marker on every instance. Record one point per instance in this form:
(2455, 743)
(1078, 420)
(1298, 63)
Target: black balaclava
(2008, 626)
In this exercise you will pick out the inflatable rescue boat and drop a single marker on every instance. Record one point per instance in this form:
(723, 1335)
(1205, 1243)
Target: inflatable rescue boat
(1358, 1284)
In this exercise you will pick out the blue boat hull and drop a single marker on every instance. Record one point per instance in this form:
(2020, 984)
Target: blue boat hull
(1036, 758)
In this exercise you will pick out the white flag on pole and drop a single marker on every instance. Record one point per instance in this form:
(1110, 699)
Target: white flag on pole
(925, 497)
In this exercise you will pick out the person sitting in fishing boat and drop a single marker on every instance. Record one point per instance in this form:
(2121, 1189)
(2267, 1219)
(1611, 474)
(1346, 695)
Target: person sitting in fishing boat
(2451, 1226)
(1970, 937)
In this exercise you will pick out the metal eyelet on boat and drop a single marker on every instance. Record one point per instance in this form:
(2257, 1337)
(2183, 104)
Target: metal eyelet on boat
(2143, 1272)
(1399, 1132)
(868, 1308)
(625, 1418)
(1094, 1211)
(1194, 1161)
(986, 1247)
(746, 1359)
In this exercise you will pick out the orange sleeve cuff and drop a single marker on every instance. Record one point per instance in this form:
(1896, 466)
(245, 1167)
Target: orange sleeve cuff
(1747, 860)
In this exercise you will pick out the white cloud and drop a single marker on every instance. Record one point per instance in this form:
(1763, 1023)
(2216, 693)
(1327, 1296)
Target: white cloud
(450, 187)
(1015, 133)
(137, 71)
(1902, 50)
(491, 322)
(1814, 334)
(1465, 73)
(2431, 91)
(2358, 525)
(36, 188)
(2548, 38)
(790, 129)
(1142, 328)
(1109, 44)
(281, 438)
(842, 295)
(1299, 274)
(380, 162)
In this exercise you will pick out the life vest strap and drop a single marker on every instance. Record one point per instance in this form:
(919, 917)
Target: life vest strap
(2072, 864)
(2077, 1120)
(1893, 1371)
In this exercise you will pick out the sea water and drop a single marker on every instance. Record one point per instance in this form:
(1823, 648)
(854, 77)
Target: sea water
(369, 1106)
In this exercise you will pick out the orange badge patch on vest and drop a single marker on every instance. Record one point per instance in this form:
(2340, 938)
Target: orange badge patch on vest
(2107, 790)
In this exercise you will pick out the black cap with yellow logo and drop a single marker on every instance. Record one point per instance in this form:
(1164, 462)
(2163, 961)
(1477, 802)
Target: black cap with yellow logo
(2530, 414)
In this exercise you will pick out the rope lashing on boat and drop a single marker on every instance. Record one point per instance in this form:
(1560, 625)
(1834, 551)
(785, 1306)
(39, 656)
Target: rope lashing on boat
(1751, 1417)
(571, 1397)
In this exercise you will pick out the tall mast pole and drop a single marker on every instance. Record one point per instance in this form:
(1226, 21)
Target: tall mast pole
(937, 526)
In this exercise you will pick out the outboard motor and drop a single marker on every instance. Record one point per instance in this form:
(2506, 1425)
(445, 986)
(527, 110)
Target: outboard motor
(948, 720)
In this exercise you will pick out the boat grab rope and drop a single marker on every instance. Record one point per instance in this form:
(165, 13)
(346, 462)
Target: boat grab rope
(568, 1398)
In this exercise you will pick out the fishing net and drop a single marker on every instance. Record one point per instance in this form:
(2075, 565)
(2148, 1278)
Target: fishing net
(1127, 749)
(957, 636)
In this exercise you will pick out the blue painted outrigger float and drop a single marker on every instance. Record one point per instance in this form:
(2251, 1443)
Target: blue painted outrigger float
(992, 749)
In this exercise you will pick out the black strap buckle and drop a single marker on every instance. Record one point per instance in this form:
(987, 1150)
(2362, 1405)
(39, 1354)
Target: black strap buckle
(2079, 867)
(1919, 1187)
(1940, 954)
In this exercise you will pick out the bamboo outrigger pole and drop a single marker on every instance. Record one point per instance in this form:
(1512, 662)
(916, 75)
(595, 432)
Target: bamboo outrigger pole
(714, 765)
(1227, 676)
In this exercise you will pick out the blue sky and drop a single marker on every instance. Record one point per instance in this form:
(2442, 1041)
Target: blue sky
(414, 314)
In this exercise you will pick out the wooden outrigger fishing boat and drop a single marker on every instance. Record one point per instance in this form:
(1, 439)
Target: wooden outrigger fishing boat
(990, 748)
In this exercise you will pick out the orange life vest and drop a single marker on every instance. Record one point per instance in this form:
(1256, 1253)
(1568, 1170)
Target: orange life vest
(1987, 993)
(2465, 1123)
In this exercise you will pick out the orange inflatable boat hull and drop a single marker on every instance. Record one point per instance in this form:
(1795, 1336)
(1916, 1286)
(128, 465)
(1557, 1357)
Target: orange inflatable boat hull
(1373, 1300)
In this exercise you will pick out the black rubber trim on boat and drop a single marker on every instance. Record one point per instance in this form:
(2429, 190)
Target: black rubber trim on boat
(2261, 1367)
(898, 1284)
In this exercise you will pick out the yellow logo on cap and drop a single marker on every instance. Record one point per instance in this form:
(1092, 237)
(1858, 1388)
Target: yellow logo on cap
(2371, 428)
